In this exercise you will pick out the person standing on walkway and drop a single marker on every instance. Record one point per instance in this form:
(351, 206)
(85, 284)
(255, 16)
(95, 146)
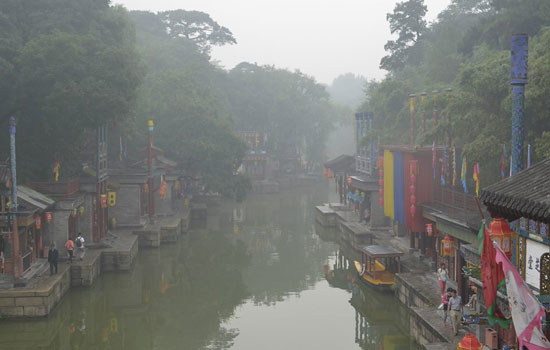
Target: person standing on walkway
(79, 242)
(442, 275)
(455, 304)
(53, 256)
(445, 301)
(70, 246)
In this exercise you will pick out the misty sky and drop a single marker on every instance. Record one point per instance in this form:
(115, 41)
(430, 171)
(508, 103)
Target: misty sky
(322, 38)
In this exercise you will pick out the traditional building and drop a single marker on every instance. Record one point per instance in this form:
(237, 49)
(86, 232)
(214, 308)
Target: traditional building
(522, 200)
(256, 159)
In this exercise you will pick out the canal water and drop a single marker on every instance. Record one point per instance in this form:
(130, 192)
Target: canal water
(260, 275)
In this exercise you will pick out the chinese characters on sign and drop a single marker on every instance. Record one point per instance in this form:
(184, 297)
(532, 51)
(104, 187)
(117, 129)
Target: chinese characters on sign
(534, 253)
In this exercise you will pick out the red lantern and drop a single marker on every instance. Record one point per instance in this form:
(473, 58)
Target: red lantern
(413, 199)
(447, 246)
(163, 189)
(380, 173)
(103, 198)
(381, 193)
(38, 222)
(413, 179)
(381, 182)
(381, 201)
(48, 217)
(349, 180)
(412, 189)
(413, 209)
(502, 234)
(429, 230)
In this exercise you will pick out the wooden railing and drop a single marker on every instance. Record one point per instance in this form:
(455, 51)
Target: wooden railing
(454, 198)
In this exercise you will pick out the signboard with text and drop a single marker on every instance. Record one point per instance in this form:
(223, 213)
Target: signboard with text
(534, 251)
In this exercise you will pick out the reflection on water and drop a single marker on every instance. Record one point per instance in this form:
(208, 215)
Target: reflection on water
(253, 279)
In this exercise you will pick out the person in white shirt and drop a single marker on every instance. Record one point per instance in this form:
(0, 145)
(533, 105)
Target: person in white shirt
(442, 275)
(455, 305)
(79, 244)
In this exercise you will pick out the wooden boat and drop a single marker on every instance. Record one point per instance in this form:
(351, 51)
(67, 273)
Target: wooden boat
(378, 265)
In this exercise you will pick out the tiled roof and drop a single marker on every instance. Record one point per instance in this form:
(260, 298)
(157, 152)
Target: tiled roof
(526, 194)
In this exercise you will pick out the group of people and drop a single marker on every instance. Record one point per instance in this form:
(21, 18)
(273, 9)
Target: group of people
(450, 300)
(53, 253)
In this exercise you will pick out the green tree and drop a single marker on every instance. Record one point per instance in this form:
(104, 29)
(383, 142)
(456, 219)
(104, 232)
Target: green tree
(76, 68)
(407, 20)
(197, 27)
(182, 92)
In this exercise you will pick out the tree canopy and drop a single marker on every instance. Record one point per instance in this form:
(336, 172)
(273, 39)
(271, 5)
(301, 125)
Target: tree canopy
(67, 67)
(467, 49)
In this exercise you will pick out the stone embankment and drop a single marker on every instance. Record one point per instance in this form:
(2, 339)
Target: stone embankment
(416, 287)
(116, 252)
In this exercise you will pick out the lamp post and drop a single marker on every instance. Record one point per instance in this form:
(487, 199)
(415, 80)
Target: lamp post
(17, 268)
(151, 209)
(518, 79)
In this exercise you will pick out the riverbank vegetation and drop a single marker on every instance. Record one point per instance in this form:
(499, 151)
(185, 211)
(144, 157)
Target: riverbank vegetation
(467, 49)
(69, 66)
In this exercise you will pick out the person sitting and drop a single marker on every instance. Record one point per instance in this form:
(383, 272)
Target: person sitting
(472, 303)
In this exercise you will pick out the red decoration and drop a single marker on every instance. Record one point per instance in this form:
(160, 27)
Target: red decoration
(412, 189)
(413, 199)
(413, 209)
(163, 189)
(447, 246)
(381, 201)
(349, 180)
(48, 217)
(38, 222)
(381, 193)
(469, 342)
(502, 234)
(429, 229)
(381, 173)
(381, 182)
(103, 198)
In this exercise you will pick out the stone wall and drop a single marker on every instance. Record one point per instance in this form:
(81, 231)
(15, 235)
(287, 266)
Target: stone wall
(377, 217)
(148, 237)
(422, 332)
(409, 295)
(119, 260)
(35, 302)
(60, 228)
(86, 274)
(127, 210)
(170, 232)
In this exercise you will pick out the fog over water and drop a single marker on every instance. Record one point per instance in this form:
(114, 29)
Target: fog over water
(321, 38)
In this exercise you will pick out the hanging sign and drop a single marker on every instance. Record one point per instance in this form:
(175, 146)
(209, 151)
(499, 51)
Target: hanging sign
(112, 199)
(534, 251)
(48, 217)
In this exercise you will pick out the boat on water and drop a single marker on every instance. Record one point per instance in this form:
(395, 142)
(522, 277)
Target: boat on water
(378, 265)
